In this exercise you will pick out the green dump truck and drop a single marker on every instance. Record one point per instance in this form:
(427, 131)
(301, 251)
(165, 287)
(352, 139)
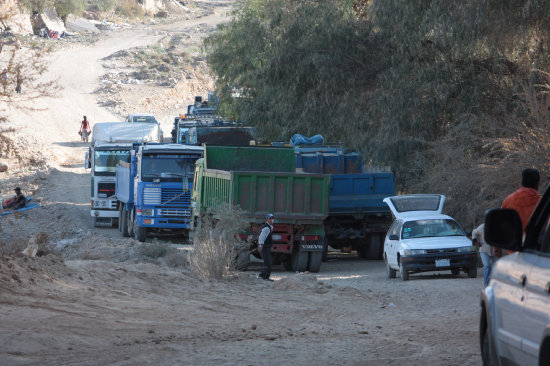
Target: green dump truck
(260, 180)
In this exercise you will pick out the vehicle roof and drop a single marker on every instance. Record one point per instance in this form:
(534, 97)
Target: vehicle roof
(175, 147)
(141, 114)
(422, 215)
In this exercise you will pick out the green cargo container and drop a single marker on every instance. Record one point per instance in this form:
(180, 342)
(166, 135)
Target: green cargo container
(262, 180)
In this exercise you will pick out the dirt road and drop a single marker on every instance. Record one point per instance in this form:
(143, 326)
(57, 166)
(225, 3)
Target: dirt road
(102, 300)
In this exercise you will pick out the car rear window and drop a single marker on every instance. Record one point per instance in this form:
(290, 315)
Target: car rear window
(419, 203)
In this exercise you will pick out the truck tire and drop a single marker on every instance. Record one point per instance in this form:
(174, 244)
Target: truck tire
(314, 262)
(472, 272)
(325, 249)
(119, 218)
(123, 222)
(140, 233)
(370, 249)
(298, 261)
(131, 217)
(95, 222)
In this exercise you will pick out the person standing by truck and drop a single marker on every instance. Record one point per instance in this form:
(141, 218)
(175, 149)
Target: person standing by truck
(488, 253)
(264, 246)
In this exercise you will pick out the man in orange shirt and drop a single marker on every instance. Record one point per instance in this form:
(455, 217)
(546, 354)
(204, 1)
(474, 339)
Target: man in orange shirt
(525, 199)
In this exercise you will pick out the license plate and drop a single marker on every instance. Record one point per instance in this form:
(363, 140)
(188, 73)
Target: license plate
(442, 263)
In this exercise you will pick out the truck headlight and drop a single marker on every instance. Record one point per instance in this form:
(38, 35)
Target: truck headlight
(148, 212)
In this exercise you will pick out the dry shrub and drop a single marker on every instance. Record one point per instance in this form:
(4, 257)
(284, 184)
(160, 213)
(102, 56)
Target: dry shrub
(130, 9)
(215, 245)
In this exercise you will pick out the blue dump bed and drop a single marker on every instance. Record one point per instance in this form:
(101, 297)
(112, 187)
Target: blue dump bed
(360, 193)
(351, 190)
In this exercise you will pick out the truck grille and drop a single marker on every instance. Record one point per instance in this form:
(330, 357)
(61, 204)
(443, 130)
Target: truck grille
(175, 197)
(175, 212)
(105, 190)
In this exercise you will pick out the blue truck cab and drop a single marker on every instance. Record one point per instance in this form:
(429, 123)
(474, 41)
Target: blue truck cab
(154, 188)
(358, 218)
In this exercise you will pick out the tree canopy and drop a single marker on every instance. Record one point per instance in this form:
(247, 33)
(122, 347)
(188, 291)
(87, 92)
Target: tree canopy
(451, 95)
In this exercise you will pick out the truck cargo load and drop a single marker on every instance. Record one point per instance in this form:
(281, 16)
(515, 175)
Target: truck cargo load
(125, 132)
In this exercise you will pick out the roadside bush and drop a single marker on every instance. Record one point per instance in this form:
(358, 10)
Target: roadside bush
(215, 245)
(154, 250)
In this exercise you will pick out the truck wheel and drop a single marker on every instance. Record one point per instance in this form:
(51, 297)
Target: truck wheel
(131, 217)
(315, 260)
(325, 249)
(455, 271)
(472, 272)
(299, 261)
(390, 272)
(119, 219)
(370, 250)
(403, 273)
(123, 222)
(95, 222)
(140, 233)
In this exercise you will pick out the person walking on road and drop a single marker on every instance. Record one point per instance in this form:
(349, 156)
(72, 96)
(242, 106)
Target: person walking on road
(85, 129)
(264, 246)
(488, 253)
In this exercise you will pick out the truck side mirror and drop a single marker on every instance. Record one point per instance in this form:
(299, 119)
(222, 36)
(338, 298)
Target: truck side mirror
(87, 162)
(394, 237)
(503, 229)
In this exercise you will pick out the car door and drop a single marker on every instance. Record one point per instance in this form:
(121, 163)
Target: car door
(391, 244)
(536, 305)
(508, 283)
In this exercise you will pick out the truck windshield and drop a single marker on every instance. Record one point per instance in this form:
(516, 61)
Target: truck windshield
(105, 161)
(168, 167)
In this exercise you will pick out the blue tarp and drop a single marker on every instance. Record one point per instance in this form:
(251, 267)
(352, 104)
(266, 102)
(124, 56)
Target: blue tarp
(298, 139)
(29, 206)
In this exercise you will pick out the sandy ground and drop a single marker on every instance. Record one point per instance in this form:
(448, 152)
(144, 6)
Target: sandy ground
(100, 299)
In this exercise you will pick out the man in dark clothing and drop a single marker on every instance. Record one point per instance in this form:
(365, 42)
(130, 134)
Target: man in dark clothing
(264, 246)
(17, 202)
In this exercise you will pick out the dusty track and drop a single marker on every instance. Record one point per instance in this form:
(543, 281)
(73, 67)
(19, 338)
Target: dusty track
(109, 307)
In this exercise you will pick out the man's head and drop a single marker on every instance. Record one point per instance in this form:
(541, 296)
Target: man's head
(530, 178)
(17, 190)
(269, 218)
(84, 117)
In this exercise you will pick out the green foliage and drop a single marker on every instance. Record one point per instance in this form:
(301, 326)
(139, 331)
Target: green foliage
(104, 5)
(434, 89)
(66, 7)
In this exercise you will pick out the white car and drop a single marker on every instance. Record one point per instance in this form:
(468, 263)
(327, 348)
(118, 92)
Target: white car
(422, 239)
(514, 326)
(145, 118)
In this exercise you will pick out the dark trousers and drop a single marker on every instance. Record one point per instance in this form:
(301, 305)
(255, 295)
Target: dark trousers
(266, 268)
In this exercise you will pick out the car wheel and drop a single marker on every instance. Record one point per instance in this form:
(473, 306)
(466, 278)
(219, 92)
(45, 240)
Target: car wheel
(472, 272)
(486, 358)
(389, 271)
(403, 273)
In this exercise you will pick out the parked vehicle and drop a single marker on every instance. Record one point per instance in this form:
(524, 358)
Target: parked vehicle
(154, 189)
(358, 218)
(423, 239)
(111, 143)
(514, 326)
(200, 111)
(146, 118)
(259, 180)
